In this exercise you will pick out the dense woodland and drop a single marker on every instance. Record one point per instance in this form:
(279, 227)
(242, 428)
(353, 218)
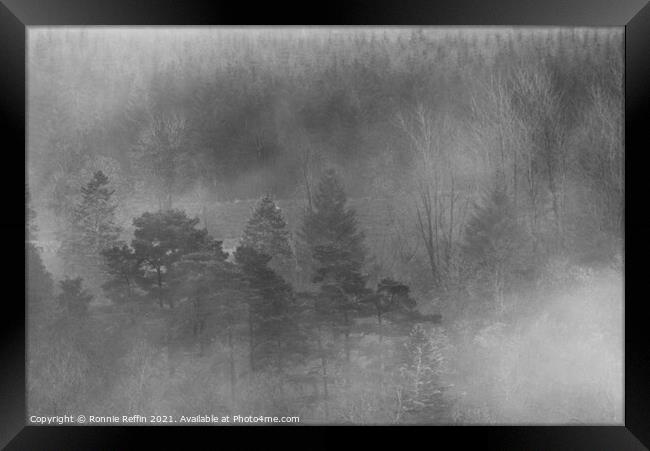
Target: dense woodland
(432, 229)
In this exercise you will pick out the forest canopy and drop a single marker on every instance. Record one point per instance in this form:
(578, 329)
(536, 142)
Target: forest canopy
(241, 110)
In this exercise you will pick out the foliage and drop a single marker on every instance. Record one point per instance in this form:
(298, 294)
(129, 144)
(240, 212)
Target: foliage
(233, 121)
(423, 398)
(160, 240)
(92, 228)
(212, 288)
(39, 283)
(278, 340)
(266, 232)
(124, 272)
(330, 230)
(393, 295)
(420, 120)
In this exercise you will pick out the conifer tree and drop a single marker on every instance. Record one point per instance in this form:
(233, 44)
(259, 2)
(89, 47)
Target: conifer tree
(160, 240)
(423, 364)
(277, 339)
(330, 231)
(217, 301)
(39, 289)
(92, 229)
(123, 269)
(266, 230)
(38, 280)
(392, 296)
(396, 314)
(216, 306)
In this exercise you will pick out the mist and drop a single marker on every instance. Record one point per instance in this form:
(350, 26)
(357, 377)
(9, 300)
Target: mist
(348, 225)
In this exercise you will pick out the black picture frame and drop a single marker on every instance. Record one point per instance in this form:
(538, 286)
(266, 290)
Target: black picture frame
(17, 15)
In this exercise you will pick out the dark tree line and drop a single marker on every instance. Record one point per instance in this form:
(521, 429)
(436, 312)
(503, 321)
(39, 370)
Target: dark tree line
(424, 120)
(206, 296)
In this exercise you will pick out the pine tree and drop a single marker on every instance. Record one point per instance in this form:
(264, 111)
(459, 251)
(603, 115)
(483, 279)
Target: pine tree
(494, 242)
(331, 233)
(92, 229)
(160, 240)
(215, 306)
(124, 272)
(392, 301)
(39, 281)
(200, 276)
(396, 314)
(277, 340)
(266, 232)
(423, 364)
(392, 296)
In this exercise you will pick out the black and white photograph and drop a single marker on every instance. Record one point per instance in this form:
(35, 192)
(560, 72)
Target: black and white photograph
(361, 225)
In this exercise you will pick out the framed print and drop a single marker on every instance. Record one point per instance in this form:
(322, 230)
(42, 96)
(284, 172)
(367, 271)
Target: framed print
(378, 216)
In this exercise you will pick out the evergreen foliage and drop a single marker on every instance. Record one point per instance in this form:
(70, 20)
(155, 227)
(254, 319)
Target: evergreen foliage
(393, 296)
(39, 282)
(330, 231)
(160, 240)
(422, 366)
(92, 229)
(124, 272)
(278, 340)
(266, 232)
(212, 287)
(540, 111)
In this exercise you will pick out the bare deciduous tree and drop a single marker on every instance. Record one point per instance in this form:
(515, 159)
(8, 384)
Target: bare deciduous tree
(161, 147)
(437, 196)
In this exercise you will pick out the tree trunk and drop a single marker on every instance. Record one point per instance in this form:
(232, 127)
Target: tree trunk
(308, 191)
(204, 211)
(498, 291)
(381, 349)
(251, 340)
(323, 361)
(160, 299)
(427, 235)
(514, 179)
(451, 223)
(346, 335)
(232, 367)
(280, 366)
